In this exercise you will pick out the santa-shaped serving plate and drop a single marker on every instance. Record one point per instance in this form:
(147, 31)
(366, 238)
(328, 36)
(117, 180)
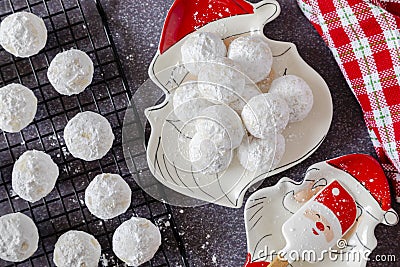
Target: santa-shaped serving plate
(230, 19)
(268, 209)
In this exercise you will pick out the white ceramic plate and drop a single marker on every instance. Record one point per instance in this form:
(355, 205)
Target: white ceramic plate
(228, 188)
(268, 208)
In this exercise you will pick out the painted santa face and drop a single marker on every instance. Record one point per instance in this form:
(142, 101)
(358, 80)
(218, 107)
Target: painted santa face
(309, 226)
(321, 225)
(313, 228)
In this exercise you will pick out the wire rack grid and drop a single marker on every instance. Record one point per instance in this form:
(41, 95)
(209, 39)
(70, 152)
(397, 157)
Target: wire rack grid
(80, 24)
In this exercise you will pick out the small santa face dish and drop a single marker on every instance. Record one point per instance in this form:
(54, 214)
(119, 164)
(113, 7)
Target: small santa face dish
(320, 223)
(335, 209)
(230, 20)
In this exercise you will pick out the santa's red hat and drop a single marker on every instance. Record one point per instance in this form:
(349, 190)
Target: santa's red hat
(336, 198)
(367, 171)
(186, 16)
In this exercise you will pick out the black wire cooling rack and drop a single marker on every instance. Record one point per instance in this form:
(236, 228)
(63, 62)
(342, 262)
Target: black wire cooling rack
(82, 25)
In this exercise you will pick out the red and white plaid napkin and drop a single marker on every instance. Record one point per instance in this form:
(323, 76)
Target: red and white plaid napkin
(364, 38)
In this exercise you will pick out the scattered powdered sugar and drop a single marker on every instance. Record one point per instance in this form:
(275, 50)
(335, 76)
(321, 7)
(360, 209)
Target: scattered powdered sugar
(295, 137)
(163, 223)
(130, 57)
(107, 260)
(12, 193)
(104, 260)
(65, 151)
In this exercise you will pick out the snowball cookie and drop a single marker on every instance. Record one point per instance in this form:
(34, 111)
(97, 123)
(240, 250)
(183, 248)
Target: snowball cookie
(188, 102)
(70, 72)
(23, 34)
(265, 114)
(77, 248)
(250, 91)
(18, 107)
(221, 81)
(108, 196)
(201, 47)
(297, 94)
(19, 237)
(206, 157)
(136, 241)
(253, 54)
(88, 136)
(222, 124)
(261, 155)
(34, 175)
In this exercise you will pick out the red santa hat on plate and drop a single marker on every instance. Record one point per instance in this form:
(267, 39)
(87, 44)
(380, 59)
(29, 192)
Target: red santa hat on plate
(340, 203)
(369, 173)
(186, 16)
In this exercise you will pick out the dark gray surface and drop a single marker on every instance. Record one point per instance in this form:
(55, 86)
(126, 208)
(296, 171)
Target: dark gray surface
(213, 235)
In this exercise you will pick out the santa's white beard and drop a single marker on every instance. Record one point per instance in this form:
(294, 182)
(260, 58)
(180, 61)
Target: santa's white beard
(301, 242)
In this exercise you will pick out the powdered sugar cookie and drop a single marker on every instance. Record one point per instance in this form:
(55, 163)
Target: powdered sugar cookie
(206, 157)
(221, 81)
(18, 107)
(188, 102)
(199, 48)
(297, 94)
(77, 248)
(23, 34)
(261, 155)
(136, 241)
(34, 175)
(222, 124)
(253, 54)
(88, 136)
(19, 237)
(70, 72)
(265, 115)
